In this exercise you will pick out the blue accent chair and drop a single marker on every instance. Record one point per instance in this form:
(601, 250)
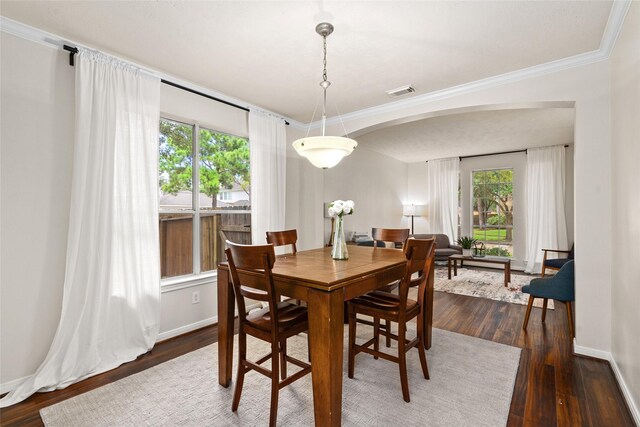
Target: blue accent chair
(560, 287)
(556, 263)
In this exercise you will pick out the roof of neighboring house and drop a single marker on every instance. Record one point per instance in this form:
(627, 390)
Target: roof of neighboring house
(183, 199)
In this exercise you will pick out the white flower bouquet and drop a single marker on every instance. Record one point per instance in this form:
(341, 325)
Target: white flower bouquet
(340, 207)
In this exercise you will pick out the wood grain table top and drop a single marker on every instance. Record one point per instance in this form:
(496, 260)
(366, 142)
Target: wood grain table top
(315, 268)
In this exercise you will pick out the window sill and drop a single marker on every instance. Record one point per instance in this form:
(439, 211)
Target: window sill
(183, 282)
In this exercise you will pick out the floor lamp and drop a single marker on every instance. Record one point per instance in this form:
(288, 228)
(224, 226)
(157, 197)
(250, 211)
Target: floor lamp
(412, 211)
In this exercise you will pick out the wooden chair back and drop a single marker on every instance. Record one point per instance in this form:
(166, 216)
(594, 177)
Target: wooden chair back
(393, 235)
(420, 255)
(257, 260)
(282, 238)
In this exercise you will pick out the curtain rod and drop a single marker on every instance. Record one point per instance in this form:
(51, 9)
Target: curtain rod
(73, 50)
(495, 154)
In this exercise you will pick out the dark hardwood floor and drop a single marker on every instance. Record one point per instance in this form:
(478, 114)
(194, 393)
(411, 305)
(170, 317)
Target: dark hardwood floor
(553, 387)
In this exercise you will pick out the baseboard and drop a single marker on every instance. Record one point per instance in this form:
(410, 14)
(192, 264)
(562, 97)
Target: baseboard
(605, 355)
(186, 328)
(196, 325)
(591, 352)
(631, 404)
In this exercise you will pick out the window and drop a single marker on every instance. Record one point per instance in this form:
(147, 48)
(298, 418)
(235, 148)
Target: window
(190, 221)
(225, 196)
(493, 210)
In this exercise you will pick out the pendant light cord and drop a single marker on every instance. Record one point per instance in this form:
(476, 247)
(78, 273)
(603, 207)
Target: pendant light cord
(324, 84)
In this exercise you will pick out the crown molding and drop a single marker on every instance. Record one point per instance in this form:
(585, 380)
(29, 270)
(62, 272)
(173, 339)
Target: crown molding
(37, 35)
(615, 21)
(614, 25)
(499, 80)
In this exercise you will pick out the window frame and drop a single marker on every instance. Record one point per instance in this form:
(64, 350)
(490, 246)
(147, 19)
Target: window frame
(196, 277)
(471, 192)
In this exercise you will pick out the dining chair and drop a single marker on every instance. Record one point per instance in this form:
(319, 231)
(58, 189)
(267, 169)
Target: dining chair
(555, 263)
(382, 305)
(273, 324)
(560, 287)
(283, 238)
(397, 236)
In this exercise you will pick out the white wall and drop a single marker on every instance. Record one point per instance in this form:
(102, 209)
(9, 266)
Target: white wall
(588, 86)
(376, 183)
(304, 196)
(37, 98)
(625, 207)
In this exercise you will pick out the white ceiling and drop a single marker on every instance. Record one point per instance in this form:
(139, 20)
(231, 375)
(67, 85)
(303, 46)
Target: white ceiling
(471, 133)
(268, 54)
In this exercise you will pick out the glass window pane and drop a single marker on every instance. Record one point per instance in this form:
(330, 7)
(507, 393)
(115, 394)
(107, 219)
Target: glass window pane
(176, 249)
(224, 171)
(211, 247)
(236, 227)
(175, 165)
(493, 210)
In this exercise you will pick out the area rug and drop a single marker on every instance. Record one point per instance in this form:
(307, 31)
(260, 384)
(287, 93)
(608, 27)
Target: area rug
(471, 384)
(486, 284)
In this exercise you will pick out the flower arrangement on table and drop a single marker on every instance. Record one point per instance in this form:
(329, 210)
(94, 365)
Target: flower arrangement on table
(338, 209)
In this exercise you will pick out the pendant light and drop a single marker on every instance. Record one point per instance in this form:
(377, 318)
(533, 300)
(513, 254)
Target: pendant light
(324, 151)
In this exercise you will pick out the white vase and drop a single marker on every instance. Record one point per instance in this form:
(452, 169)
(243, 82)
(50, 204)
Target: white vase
(466, 252)
(339, 250)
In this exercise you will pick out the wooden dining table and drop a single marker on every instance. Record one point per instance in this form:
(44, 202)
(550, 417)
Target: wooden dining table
(325, 284)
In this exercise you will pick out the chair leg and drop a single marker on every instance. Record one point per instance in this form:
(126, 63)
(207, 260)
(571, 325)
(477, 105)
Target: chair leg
(526, 316)
(352, 341)
(388, 334)
(402, 356)
(421, 351)
(376, 335)
(242, 356)
(283, 358)
(544, 308)
(570, 318)
(275, 383)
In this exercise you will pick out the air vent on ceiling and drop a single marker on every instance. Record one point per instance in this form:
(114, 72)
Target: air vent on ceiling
(394, 93)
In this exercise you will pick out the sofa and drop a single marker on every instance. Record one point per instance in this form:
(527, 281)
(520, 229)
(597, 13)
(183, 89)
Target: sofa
(444, 248)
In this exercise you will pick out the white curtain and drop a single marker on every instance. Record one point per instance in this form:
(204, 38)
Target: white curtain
(267, 139)
(546, 221)
(110, 306)
(442, 186)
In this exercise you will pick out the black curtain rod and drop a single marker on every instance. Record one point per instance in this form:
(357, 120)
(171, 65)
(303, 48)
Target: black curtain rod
(495, 154)
(73, 50)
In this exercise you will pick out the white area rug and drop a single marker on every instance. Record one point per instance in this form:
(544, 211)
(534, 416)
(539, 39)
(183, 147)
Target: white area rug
(486, 284)
(471, 384)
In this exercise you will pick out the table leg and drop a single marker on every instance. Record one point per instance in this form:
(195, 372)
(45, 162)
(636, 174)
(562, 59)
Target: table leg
(449, 267)
(428, 316)
(326, 332)
(507, 274)
(226, 309)
(455, 267)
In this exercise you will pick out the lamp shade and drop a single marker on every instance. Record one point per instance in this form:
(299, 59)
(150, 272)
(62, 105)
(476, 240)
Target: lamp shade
(324, 151)
(412, 210)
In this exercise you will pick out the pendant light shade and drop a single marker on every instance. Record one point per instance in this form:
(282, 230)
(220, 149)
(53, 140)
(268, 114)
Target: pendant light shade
(324, 151)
